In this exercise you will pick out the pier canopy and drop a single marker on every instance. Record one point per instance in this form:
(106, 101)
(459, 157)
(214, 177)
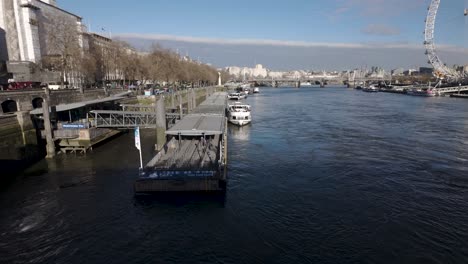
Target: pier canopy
(68, 107)
(213, 105)
(199, 125)
(207, 119)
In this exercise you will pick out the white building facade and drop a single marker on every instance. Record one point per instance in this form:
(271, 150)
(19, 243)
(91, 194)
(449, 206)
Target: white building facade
(244, 72)
(25, 25)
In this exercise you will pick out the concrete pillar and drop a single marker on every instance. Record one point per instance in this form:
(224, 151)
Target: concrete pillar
(160, 124)
(194, 98)
(50, 148)
(24, 120)
(189, 100)
(29, 148)
(172, 100)
(181, 110)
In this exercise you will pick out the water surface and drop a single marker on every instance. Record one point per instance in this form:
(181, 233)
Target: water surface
(321, 176)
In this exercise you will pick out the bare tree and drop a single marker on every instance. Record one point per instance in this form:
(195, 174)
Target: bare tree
(64, 53)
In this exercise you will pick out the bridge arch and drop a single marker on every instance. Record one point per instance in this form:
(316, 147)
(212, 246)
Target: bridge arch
(37, 102)
(9, 106)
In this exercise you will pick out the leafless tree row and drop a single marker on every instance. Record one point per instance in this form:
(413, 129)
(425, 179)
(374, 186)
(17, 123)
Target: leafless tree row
(87, 59)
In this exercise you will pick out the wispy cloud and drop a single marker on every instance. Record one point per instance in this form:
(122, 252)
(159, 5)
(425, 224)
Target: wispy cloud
(278, 54)
(285, 43)
(380, 30)
(377, 7)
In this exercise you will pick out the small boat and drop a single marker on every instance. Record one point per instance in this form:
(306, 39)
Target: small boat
(422, 92)
(245, 91)
(236, 96)
(306, 84)
(239, 114)
(256, 90)
(371, 89)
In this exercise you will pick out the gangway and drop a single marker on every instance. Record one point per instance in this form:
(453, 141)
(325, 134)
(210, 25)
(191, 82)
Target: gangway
(454, 89)
(129, 119)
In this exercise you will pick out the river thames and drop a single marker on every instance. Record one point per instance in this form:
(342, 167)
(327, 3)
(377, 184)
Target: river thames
(328, 175)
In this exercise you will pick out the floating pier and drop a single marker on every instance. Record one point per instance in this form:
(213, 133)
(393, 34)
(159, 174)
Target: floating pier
(459, 96)
(194, 159)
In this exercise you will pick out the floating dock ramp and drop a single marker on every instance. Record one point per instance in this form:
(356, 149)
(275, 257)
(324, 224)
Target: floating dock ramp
(194, 159)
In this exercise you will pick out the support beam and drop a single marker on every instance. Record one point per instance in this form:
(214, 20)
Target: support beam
(172, 100)
(160, 124)
(181, 110)
(50, 148)
(194, 99)
(189, 100)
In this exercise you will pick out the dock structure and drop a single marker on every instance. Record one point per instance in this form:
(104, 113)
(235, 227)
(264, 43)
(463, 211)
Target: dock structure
(194, 158)
(73, 131)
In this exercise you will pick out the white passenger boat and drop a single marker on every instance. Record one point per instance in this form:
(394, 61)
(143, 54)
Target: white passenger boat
(371, 89)
(245, 91)
(239, 114)
(236, 96)
(256, 90)
(422, 92)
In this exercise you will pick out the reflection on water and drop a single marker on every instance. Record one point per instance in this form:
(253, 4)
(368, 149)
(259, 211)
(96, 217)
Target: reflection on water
(320, 176)
(181, 199)
(241, 133)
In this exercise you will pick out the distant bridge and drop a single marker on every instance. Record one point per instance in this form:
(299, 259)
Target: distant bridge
(318, 80)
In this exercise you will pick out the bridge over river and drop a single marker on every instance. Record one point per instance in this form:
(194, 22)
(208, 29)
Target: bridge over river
(317, 80)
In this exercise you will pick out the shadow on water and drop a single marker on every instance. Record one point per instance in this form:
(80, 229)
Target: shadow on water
(181, 199)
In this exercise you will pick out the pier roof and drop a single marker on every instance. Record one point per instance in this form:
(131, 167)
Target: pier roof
(67, 107)
(198, 125)
(213, 105)
(207, 119)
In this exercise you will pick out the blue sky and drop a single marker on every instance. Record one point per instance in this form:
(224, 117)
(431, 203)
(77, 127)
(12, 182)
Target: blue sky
(311, 21)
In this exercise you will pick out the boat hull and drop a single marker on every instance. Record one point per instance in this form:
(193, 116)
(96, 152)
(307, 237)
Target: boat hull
(422, 93)
(239, 122)
(192, 160)
(206, 184)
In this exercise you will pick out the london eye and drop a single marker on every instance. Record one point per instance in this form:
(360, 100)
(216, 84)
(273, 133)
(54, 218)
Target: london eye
(441, 71)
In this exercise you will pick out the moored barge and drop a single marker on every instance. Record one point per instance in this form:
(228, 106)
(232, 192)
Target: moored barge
(195, 157)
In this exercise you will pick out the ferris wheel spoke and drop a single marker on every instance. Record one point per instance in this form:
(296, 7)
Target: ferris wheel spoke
(440, 69)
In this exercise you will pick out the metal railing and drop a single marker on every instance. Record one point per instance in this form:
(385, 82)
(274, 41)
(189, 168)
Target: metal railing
(123, 119)
(128, 119)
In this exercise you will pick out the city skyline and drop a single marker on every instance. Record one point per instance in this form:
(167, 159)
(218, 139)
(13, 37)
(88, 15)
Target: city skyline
(226, 34)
